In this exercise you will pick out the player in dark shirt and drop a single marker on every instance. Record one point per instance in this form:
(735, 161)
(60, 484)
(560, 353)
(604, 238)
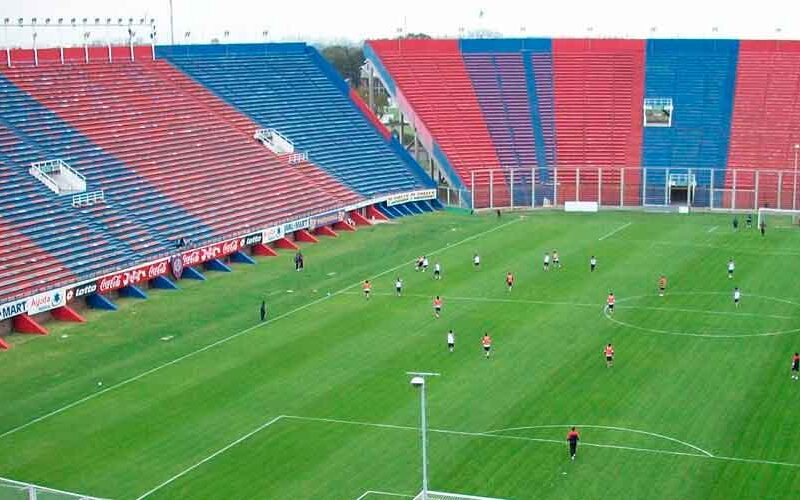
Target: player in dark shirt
(572, 438)
(796, 366)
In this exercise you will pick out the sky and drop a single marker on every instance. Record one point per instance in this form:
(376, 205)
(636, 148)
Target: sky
(326, 21)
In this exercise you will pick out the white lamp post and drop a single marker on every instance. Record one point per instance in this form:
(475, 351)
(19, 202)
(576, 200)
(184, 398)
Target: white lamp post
(418, 380)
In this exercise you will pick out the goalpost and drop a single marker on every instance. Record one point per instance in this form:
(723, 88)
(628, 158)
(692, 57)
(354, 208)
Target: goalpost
(11, 489)
(778, 218)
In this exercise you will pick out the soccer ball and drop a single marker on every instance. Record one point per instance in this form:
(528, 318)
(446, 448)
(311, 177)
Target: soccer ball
(99, 384)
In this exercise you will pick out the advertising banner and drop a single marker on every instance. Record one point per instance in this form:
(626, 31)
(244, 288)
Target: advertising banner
(293, 226)
(81, 291)
(132, 276)
(326, 219)
(397, 199)
(211, 252)
(39, 303)
(272, 234)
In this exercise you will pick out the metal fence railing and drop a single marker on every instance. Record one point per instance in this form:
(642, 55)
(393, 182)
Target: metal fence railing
(731, 189)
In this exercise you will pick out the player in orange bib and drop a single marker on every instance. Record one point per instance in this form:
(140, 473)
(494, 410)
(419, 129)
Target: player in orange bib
(509, 280)
(610, 301)
(437, 306)
(609, 354)
(486, 342)
(367, 287)
(662, 285)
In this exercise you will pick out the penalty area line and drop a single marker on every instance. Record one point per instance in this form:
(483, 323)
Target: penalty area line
(701, 454)
(211, 457)
(236, 335)
(612, 233)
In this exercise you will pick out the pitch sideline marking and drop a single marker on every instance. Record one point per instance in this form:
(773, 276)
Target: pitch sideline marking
(238, 334)
(608, 427)
(211, 457)
(712, 229)
(612, 233)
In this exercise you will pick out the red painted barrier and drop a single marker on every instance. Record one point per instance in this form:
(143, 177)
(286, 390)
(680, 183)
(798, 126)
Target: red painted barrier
(325, 231)
(374, 213)
(264, 250)
(343, 226)
(305, 236)
(25, 324)
(286, 244)
(359, 219)
(66, 313)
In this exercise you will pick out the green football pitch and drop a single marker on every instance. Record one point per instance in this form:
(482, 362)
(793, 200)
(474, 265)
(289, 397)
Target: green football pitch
(187, 395)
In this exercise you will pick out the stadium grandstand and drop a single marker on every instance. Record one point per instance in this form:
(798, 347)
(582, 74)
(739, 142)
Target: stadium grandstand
(232, 269)
(119, 161)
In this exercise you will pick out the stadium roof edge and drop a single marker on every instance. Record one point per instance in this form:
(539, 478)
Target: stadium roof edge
(230, 49)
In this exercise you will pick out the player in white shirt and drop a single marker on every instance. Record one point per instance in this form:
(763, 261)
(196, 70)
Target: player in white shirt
(398, 286)
(451, 341)
(424, 263)
(546, 261)
(731, 267)
(476, 260)
(437, 271)
(556, 259)
(737, 296)
(592, 264)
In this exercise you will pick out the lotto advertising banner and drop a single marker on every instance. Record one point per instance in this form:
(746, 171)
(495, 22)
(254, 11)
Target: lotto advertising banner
(36, 304)
(81, 291)
(397, 199)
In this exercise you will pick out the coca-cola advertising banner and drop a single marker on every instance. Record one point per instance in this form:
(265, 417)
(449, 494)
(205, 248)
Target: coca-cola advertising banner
(215, 251)
(132, 276)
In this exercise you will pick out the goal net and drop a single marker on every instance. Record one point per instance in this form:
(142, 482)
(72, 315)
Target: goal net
(438, 495)
(17, 490)
(778, 218)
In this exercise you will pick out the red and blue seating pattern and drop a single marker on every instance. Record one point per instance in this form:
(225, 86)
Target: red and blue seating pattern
(173, 159)
(291, 88)
(733, 107)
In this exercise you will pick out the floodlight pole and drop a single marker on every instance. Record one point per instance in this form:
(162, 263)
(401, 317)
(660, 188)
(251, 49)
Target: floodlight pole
(794, 187)
(171, 25)
(424, 425)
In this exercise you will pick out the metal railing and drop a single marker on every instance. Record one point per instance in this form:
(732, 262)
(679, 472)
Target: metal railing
(714, 189)
(44, 170)
(295, 158)
(274, 140)
(88, 199)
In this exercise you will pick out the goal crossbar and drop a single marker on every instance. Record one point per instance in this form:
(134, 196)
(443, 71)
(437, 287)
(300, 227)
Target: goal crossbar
(764, 212)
